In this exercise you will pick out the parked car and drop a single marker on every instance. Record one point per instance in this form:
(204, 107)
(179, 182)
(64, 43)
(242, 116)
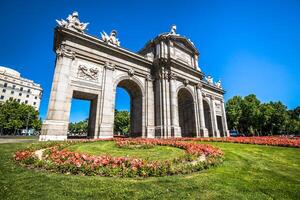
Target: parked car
(235, 133)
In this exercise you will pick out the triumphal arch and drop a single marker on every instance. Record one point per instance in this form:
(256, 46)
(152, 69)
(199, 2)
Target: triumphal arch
(170, 95)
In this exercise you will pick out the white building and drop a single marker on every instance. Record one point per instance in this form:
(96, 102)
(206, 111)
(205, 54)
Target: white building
(13, 86)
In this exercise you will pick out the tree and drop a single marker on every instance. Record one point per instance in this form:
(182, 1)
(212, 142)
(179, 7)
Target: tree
(80, 127)
(14, 116)
(122, 122)
(249, 121)
(249, 116)
(234, 112)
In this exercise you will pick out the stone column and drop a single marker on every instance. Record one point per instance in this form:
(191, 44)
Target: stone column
(55, 127)
(150, 129)
(203, 129)
(175, 128)
(226, 132)
(107, 108)
(214, 118)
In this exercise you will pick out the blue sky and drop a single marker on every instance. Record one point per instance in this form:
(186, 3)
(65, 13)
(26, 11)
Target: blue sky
(252, 46)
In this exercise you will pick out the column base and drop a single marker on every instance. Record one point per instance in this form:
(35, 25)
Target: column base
(54, 130)
(106, 131)
(217, 133)
(150, 132)
(204, 132)
(176, 131)
(53, 137)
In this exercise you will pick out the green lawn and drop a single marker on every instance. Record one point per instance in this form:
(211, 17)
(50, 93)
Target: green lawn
(248, 172)
(109, 147)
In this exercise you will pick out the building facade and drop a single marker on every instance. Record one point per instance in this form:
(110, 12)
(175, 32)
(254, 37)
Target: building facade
(170, 95)
(13, 86)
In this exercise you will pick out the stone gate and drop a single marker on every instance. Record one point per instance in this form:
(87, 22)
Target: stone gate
(170, 96)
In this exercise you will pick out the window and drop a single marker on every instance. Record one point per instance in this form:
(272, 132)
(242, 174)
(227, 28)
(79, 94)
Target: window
(34, 103)
(2, 97)
(5, 84)
(35, 97)
(10, 98)
(4, 90)
(20, 94)
(12, 92)
(27, 95)
(21, 88)
(19, 100)
(14, 86)
(26, 102)
(28, 90)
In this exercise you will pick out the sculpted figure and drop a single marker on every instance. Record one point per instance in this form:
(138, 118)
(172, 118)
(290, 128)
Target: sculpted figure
(218, 84)
(173, 30)
(209, 80)
(110, 39)
(73, 23)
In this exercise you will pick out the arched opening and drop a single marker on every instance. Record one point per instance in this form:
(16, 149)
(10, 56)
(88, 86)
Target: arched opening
(186, 111)
(220, 125)
(135, 106)
(82, 119)
(207, 117)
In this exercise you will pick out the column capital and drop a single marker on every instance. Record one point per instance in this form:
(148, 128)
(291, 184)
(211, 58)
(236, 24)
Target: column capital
(62, 51)
(199, 85)
(110, 66)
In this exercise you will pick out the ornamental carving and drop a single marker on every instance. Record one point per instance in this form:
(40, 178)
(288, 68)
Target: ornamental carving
(131, 72)
(63, 52)
(110, 66)
(86, 73)
(186, 82)
(73, 23)
(172, 75)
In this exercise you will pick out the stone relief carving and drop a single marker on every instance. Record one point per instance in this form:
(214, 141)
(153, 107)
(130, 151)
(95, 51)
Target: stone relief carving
(110, 39)
(73, 23)
(87, 73)
(64, 52)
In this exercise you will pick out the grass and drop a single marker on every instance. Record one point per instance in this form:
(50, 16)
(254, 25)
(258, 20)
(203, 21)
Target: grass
(109, 147)
(248, 172)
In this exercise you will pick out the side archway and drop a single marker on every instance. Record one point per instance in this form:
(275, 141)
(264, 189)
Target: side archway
(207, 117)
(186, 112)
(135, 92)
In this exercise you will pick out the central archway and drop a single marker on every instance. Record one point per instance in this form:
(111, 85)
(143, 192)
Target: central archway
(136, 106)
(186, 111)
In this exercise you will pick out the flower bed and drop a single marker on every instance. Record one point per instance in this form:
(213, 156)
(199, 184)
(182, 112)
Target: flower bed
(261, 140)
(58, 158)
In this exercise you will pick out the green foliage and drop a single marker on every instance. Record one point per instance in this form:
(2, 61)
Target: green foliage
(251, 117)
(234, 112)
(248, 172)
(122, 122)
(80, 127)
(14, 116)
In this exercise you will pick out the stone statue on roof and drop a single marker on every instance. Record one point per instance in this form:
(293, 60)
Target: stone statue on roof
(209, 80)
(110, 39)
(218, 84)
(73, 23)
(173, 30)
